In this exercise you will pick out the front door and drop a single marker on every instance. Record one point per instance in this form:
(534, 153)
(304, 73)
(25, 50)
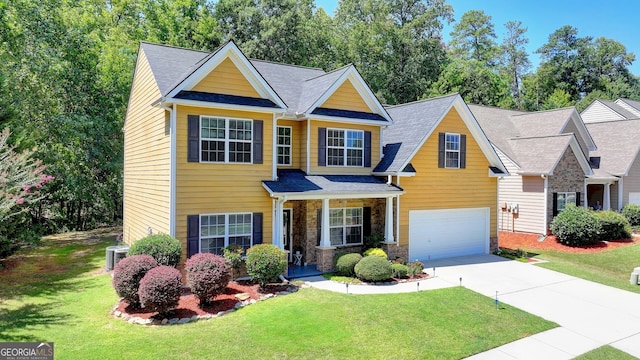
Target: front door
(286, 232)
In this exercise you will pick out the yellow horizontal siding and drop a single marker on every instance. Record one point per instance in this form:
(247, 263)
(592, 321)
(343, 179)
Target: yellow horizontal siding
(226, 78)
(327, 170)
(146, 159)
(297, 143)
(437, 188)
(205, 188)
(346, 97)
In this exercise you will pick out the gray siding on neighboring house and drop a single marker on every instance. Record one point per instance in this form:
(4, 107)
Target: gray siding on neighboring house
(568, 176)
(614, 196)
(528, 193)
(628, 107)
(631, 183)
(598, 112)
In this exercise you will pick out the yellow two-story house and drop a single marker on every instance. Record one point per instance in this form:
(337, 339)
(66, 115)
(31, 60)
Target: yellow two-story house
(224, 150)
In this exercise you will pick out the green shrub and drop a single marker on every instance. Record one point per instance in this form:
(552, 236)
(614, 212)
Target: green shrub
(373, 268)
(160, 289)
(127, 275)
(376, 252)
(265, 262)
(372, 241)
(614, 225)
(576, 226)
(345, 263)
(415, 268)
(400, 271)
(164, 248)
(632, 213)
(233, 256)
(207, 275)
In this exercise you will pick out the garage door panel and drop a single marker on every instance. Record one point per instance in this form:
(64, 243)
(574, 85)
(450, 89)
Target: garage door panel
(435, 234)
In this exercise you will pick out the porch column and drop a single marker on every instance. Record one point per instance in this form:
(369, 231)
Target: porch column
(607, 197)
(388, 222)
(325, 236)
(277, 224)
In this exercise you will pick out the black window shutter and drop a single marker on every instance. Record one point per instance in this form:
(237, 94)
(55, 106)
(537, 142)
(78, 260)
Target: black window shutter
(257, 228)
(193, 122)
(322, 146)
(367, 149)
(555, 204)
(578, 199)
(193, 234)
(366, 222)
(258, 141)
(319, 226)
(441, 150)
(463, 151)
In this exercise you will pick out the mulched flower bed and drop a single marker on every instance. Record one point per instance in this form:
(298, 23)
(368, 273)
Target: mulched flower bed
(189, 306)
(515, 240)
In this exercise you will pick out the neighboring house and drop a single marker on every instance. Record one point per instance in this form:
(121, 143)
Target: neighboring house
(546, 154)
(603, 110)
(221, 150)
(436, 151)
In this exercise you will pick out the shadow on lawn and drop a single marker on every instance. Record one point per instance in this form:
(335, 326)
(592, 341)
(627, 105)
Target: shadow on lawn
(25, 317)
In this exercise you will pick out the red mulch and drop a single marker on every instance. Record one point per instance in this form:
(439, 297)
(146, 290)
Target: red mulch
(516, 240)
(189, 304)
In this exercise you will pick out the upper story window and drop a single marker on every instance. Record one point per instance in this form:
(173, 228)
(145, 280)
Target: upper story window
(225, 140)
(284, 145)
(345, 147)
(452, 150)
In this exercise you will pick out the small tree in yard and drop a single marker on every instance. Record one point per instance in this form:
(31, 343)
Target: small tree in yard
(265, 263)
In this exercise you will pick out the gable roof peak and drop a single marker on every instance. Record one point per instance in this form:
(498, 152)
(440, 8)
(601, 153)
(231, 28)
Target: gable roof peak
(452, 95)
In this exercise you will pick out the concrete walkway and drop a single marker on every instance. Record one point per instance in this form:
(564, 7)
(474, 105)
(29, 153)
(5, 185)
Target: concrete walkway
(590, 315)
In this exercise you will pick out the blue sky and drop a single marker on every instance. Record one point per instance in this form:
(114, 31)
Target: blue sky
(615, 20)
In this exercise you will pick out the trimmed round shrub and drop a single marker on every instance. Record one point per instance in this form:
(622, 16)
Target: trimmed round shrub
(576, 226)
(632, 213)
(127, 275)
(265, 263)
(373, 268)
(614, 226)
(160, 289)
(233, 256)
(164, 248)
(415, 268)
(346, 263)
(400, 271)
(207, 275)
(375, 252)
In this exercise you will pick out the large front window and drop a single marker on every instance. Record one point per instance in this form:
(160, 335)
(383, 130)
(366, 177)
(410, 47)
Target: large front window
(225, 140)
(345, 226)
(218, 231)
(452, 151)
(345, 147)
(565, 198)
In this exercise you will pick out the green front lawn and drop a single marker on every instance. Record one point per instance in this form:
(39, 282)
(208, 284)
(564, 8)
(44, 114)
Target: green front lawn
(59, 294)
(611, 267)
(605, 353)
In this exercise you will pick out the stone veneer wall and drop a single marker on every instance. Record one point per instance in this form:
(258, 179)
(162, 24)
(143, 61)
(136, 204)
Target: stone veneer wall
(568, 176)
(394, 251)
(493, 244)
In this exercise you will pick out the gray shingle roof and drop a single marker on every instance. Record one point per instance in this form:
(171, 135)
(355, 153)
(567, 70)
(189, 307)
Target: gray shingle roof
(633, 103)
(618, 144)
(412, 123)
(170, 64)
(619, 109)
(297, 182)
(539, 155)
(497, 125)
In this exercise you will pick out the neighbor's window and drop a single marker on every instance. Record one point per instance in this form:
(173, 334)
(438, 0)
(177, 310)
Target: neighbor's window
(218, 231)
(452, 151)
(284, 145)
(565, 198)
(225, 140)
(345, 147)
(345, 226)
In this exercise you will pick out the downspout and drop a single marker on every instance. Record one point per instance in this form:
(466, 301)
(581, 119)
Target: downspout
(274, 151)
(546, 202)
(620, 193)
(172, 167)
(398, 214)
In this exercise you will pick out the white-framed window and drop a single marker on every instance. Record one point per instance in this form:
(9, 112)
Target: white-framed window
(452, 151)
(218, 231)
(225, 140)
(345, 226)
(284, 145)
(565, 198)
(345, 147)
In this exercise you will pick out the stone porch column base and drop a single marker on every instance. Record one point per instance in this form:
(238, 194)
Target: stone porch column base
(324, 258)
(394, 251)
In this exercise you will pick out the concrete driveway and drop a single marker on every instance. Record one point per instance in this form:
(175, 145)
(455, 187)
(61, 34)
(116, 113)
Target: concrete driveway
(590, 315)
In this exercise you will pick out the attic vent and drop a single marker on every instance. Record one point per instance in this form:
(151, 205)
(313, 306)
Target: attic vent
(594, 161)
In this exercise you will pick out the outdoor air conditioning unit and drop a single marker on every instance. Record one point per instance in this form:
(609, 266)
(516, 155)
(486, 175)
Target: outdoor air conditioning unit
(114, 254)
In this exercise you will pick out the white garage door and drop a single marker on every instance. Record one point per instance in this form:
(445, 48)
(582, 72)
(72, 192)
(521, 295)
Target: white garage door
(436, 234)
